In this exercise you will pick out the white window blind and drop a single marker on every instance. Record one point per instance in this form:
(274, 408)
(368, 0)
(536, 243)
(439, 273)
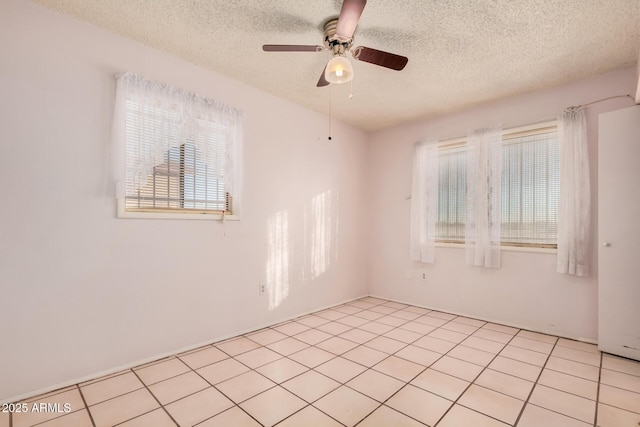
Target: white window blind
(530, 190)
(181, 151)
(183, 180)
(452, 194)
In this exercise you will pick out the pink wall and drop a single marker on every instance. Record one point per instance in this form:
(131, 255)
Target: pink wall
(83, 292)
(526, 291)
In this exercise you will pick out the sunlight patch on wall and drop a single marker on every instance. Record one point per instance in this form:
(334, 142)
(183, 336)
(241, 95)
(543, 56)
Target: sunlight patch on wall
(321, 238)
(320, 234)
(278, 259)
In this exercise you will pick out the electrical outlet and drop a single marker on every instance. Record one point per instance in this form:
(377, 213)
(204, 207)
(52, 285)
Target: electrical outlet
(423, 275)
(261, 289)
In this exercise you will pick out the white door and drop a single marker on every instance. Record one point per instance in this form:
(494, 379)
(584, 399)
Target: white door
(619, 232)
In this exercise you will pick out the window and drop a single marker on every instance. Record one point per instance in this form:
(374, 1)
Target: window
(530, 189)
(183, 180)
(452, 194)
(181, 152)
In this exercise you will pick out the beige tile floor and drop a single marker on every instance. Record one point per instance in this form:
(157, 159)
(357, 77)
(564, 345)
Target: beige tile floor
(370, 362)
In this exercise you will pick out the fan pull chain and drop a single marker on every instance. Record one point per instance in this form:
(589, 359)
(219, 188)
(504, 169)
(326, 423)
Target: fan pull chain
(351, 89)
(330, 113)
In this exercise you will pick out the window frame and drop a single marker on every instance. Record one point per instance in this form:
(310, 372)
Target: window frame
(232, 196)
(160, 213)
(509, 133)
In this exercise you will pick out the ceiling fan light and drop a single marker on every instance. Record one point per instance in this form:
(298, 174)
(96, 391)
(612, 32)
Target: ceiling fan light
(338, 70)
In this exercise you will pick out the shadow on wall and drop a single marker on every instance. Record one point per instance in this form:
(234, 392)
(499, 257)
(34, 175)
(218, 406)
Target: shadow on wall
(319, 250)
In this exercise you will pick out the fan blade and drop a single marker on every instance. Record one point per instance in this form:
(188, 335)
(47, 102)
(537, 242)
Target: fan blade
(322, 81)
(378, 57)
(349, 17)
(291, 48)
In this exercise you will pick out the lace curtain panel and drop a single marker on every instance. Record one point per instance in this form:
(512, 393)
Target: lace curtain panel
(424, 201)
(574, 221)
(168, 117)
(484, 195)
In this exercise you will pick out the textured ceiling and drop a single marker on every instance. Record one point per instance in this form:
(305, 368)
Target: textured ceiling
(461, 52)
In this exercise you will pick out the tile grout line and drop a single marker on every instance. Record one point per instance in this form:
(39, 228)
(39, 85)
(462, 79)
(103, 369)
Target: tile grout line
(526, 402)
(358, 344)
(367, 368)
(229, 356)
(380, 404)
(125, 393)
(344, 384)
(620, 407)
(136, 417)
(474, 382)
(332, 308)
(566, 392)
(406, 345)
(340, 355)
(175, 356)
(335, 356)
(235, 405)
(230, 378)
(435, 361)
(56, 417)
(51, 393)
(392, 354)
(595, 416)
(161, 405)
(574, 361)
(331, 335)
(560, 390)
(108, 377)
(220, 391)
(155, 398)
(406, 383)
(93, 423)
(380, 335)
(306, 406)
(621, 372)
(556, 412)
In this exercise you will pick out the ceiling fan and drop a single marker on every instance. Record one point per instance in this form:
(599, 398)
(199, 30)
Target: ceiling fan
(338, 38)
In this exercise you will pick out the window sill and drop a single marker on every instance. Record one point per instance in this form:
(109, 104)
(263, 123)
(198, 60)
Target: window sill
(122, 213)
(503, 248)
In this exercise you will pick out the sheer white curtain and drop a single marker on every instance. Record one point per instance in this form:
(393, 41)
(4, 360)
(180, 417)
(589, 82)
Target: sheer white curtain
(167, 117)
(424, 201)
(574, 221)
(484, 182)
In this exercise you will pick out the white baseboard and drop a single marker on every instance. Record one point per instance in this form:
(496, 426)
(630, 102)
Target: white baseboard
(247, 331)
(499, 322)
(162, 355)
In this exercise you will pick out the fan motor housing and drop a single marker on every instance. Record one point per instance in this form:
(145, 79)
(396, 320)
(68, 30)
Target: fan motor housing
(332, 41)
